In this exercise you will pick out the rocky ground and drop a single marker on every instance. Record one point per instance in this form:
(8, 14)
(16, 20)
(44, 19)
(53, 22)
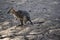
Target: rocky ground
(45, 14)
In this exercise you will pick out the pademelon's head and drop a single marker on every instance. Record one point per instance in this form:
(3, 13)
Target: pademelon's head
(11, 10)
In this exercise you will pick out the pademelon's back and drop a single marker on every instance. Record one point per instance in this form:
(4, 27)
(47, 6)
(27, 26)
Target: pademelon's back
(23, 13)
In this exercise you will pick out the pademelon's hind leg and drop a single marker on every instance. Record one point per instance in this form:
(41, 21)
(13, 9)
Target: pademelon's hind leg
(21, 23)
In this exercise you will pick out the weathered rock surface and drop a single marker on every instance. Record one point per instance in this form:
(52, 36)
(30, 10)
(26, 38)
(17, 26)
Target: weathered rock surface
(45, 14)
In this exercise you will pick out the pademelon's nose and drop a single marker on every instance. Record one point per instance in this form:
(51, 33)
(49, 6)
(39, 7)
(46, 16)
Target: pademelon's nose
(8, 12)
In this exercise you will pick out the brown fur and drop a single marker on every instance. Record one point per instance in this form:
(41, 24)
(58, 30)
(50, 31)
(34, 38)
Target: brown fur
(23, 16)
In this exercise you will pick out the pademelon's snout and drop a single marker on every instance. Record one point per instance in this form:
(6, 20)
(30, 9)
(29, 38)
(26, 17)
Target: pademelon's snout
(8, 12)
